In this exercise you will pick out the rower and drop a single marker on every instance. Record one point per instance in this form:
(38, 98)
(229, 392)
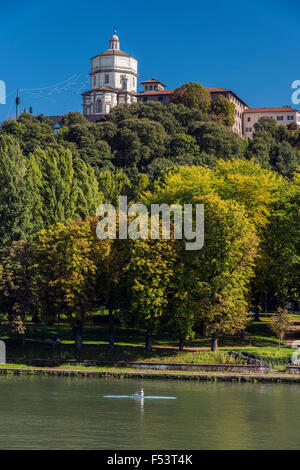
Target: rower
(140, 393)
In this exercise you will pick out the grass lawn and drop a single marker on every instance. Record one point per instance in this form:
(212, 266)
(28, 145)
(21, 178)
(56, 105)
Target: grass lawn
(130, 345)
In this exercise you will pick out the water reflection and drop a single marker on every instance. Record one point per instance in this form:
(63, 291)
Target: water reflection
(142, 405)
(67, 413)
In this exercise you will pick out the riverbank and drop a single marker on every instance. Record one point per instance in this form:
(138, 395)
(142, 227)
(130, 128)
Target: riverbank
(258, 346)
(105, 372)
(130, 344)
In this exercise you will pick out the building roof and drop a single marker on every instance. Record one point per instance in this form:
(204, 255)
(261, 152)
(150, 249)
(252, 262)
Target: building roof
(153, 80)
(270, 110)
(170, 92)
(225, 90)
(156, 92)
(113, 52)
(216, 90)
(56, 121)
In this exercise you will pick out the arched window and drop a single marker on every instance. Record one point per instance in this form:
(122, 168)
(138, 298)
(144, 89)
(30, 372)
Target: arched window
(99, 106)
(124, 83)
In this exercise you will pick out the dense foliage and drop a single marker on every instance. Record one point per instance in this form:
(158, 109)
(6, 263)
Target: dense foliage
(53, 266)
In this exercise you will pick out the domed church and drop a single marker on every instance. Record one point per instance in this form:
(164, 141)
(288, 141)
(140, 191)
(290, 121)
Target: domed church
(113, 81)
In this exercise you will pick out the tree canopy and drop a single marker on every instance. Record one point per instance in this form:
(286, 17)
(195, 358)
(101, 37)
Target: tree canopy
(52, 265)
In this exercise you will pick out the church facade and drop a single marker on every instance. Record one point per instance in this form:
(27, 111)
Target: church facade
(114, 76)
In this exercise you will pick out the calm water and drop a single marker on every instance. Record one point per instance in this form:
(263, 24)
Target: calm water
(62, 413)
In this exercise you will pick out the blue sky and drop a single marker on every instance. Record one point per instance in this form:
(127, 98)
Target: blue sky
(250, 47)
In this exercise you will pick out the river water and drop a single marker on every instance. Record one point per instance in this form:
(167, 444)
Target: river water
(71, 413)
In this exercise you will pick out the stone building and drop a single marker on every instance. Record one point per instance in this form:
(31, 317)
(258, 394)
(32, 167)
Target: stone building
(114, 76)
(239, 104)
(154, 90)
(283, 115)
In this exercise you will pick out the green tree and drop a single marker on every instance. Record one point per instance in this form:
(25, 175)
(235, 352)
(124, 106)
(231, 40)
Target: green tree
(139, 141)
(275, 147)
(278, 267)
(191, 95)
(112, 185)
(182, 144)
(217, 140)
(266, 124)
(111, 281)
(65, 269)
(157, 166)
(221, 271)
(149, 273)
(180, 318)
(57, 185)
(88, 196)
(222, 110)
(284, 159)
(250, 185)
(17, 299)
(32, 132)
(86, 140)
(17, 198)
(260, 147)
(280, 323)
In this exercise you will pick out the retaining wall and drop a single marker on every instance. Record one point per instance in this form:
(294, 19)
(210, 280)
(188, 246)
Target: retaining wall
(240, 368)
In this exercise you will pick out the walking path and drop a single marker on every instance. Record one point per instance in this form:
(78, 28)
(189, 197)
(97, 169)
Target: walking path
(292, 336)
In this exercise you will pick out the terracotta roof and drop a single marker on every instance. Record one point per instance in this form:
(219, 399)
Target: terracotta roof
(270, 110)
(170, 92)
(153, 80)
(216, 90)
(156, 92)
(224, 90)
(113, 52)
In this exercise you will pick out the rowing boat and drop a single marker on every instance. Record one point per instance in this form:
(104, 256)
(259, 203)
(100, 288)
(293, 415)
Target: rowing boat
(138, 396)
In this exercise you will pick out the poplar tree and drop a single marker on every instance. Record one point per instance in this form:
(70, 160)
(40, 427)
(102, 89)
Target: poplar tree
(16, 196)
(56, 185)
(88, 196)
